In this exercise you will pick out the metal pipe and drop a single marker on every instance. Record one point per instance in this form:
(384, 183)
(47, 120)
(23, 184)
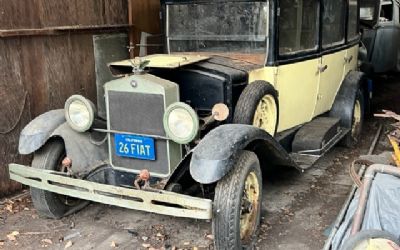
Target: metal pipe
(343, 212)
(364, 192)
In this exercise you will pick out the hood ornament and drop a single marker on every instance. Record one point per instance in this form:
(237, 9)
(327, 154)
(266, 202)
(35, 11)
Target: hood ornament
(138, 65)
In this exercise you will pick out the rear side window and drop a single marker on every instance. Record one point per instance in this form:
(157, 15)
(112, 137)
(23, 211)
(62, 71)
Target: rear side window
(333, 26)
(353, 20)
(298, 26)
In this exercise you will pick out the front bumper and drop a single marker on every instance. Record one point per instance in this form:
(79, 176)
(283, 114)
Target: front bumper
(160, 202)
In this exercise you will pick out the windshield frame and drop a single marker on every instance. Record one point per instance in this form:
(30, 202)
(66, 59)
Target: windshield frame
(259, 38)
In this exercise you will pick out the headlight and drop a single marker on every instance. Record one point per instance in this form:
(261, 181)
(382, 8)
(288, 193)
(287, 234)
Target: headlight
(181, 123)
(79, 113)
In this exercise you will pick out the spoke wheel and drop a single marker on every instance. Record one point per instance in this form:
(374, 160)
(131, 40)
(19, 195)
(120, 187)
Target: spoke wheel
(356, 125)
(249, 207)
(258, 106)
(237, 205)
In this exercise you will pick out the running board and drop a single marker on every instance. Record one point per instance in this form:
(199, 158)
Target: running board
(306, 158)
(159, 202)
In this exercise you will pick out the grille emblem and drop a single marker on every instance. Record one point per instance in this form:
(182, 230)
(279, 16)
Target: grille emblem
(134, 84)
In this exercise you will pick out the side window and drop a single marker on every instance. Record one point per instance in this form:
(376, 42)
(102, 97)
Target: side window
(386, 14)
(352, 29)
(333, 28)
(298, 26)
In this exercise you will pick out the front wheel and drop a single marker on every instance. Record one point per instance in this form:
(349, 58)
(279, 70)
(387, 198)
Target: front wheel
(237, 205)
(49, 204)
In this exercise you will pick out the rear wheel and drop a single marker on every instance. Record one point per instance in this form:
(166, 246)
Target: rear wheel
(49, 204)
(357, 121)
(238, 205)
(258, 106)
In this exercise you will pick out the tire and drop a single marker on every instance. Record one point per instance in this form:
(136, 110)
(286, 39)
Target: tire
(358, 238)
(228, 203)
(249, 101)
(49, 204)
(352, 138)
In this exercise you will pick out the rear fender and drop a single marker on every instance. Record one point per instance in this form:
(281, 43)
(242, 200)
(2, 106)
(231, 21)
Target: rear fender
(217, 153)
(345, 99)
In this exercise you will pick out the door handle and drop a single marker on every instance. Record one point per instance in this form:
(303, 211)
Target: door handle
(348, 59)
(322, 69)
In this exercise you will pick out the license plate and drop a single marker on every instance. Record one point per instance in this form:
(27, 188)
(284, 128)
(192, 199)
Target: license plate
(134, 146)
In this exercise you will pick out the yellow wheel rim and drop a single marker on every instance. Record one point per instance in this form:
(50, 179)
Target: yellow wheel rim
(266, 114)
(249, 207)
(356, 119)
(376, 244)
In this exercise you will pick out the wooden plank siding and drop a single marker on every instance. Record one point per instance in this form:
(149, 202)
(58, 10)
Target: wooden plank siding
(38, 73)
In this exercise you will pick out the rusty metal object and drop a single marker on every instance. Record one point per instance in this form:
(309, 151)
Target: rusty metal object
(364, 192)
(220, 112)
(142, 180)
(353, 174)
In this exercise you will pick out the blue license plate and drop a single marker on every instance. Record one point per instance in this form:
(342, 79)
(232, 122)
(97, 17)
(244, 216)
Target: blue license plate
(134, 146)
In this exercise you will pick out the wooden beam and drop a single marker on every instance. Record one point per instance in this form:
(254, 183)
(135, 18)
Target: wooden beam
(59, 30)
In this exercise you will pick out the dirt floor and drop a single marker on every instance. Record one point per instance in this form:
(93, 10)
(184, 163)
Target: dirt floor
(298, 208)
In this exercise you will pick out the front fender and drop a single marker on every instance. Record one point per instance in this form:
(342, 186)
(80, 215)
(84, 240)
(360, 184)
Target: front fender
(85, 152)
(216, 154)
(39, 130)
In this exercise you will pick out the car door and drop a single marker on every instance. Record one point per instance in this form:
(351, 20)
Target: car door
(297, 73)
(334, 52)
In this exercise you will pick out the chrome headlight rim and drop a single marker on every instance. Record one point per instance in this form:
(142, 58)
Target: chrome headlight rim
(90, 108)
(195, 121)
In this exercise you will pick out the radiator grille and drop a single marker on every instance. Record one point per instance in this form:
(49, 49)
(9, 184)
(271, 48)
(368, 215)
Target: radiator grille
(138, 113)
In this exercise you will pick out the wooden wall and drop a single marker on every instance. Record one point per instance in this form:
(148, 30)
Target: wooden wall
(38, 72)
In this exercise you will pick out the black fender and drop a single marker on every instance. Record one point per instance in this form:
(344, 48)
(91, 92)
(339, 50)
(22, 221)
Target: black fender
(216, 153)
(345, 99)
(81, 148)
(85, 152)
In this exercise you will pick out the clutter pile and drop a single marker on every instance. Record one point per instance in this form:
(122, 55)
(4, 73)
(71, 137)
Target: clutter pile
(370, 219)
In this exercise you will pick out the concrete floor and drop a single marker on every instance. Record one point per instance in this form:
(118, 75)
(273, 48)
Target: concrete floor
(298, 209)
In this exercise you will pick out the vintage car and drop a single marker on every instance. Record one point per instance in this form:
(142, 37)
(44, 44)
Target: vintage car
(244, 86)
(380, 27)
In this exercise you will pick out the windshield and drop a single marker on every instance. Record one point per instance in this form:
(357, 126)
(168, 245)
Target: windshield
(235, 29)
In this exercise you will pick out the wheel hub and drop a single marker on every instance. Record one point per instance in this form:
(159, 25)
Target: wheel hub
(249, 207)
(265, 116)
(356, 119)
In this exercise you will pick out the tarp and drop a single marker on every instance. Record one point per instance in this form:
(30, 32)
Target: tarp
(382, 212)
